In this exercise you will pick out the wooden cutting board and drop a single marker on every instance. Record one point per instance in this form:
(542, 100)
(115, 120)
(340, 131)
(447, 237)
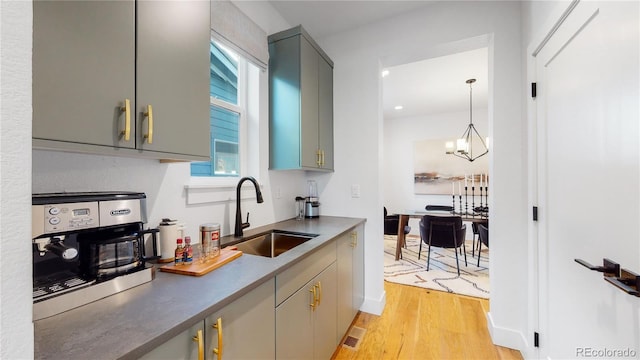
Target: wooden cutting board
(198, 269)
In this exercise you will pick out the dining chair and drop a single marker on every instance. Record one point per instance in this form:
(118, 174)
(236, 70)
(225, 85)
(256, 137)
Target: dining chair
(391, 223)
(474, 228)
(445, 208)
(483, 230)
(444, 232)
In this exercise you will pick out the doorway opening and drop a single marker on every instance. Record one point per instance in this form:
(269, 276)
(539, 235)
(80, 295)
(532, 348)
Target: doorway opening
(426, 103)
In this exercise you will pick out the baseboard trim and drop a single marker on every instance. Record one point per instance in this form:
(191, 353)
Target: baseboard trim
(374, 306)
(506, 337)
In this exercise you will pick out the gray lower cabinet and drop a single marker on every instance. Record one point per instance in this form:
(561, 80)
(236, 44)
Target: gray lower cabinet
(240, 330)
(301, 103)
(358, 271)
(181, 347)
(306, 321)
(306, 307)
(186, 346)
(123, 77)
(350, 262)
(244, 328)
(315, 301)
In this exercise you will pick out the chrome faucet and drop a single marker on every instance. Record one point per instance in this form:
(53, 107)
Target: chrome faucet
(239, 224)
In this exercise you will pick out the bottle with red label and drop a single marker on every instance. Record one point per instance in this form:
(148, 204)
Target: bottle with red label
(187, 255)
(179, 254)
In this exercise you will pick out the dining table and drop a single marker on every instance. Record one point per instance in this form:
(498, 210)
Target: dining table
(407, 214)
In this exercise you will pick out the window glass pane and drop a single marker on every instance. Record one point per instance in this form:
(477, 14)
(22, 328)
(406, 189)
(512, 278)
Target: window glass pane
(224, 74)
(225, 159)
(224, 123)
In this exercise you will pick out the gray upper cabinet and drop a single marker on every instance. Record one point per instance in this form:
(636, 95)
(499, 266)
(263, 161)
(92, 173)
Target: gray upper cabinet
(83, 70)
(92, 58)
(301, 103)
(172, 75)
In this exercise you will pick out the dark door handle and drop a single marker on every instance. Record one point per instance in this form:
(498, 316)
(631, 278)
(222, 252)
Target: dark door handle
(623, 279)
(609, 267)
(622, 286)
(628, 281)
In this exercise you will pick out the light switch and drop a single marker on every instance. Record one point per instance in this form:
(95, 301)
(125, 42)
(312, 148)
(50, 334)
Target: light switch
(355, 190)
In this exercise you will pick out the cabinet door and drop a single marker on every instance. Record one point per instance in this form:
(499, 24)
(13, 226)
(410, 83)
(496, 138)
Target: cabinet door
(350, 277)
(325, 326)
(325, 112)
(83, 70)
(358, 270)
(309, 59)
(181, 347)
(244, 329)
(294, 325)
(345, 283)
(172, 75)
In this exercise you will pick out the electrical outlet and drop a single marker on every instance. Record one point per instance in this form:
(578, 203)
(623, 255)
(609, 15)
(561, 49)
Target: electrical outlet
(355, 190)
(278, 192)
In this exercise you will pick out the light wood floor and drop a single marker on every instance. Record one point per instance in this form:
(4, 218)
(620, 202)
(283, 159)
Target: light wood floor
(425, 324)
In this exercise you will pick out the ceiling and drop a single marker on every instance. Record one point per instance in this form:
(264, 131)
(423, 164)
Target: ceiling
(322, 18)
(436, 85)
(430, 86)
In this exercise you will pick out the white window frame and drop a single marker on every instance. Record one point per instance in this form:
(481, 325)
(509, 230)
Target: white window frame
(241, 110)
(213, 189)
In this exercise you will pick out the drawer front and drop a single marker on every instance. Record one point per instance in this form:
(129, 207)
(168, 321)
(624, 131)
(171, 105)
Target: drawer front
(292, 279)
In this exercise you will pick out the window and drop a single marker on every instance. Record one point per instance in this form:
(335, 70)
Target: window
(228, 73)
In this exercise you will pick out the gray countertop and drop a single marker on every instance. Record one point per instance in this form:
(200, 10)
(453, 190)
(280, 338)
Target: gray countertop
(129, 324)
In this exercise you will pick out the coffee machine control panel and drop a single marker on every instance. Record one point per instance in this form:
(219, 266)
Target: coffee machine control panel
(68, 217)
(56, 214)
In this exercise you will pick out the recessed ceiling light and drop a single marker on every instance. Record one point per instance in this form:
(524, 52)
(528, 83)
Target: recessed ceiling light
(398, 107)
(385, 73)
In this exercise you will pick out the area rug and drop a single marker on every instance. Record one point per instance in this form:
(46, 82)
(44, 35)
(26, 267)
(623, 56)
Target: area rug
(442, 274)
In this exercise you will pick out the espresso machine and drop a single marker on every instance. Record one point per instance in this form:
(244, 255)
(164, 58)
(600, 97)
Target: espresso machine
(87, 246)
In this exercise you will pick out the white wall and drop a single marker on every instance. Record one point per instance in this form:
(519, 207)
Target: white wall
(16, 328)
(439, 29)
(400, 136)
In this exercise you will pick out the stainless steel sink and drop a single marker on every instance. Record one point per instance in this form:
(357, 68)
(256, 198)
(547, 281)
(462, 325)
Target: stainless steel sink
(273, 243)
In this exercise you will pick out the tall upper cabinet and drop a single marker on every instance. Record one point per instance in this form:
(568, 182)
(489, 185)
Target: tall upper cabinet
(122, 77)
(301, 103)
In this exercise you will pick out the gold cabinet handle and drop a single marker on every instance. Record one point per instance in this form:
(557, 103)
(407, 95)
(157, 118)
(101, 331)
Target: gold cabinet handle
(126, 109)
(354, 239)
(218, 350)
(318, 155)
(315, 296)
(149, 114)
(200, 340)
(319, 293)
(322, 159)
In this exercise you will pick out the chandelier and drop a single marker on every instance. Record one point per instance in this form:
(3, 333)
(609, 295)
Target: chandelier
(464, 145)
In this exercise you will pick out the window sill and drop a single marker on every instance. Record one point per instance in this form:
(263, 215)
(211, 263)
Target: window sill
(219, 193)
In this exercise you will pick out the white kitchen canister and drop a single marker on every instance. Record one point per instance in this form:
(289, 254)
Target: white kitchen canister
(170, 231)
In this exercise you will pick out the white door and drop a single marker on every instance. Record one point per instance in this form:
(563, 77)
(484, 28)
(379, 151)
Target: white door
(588, 185)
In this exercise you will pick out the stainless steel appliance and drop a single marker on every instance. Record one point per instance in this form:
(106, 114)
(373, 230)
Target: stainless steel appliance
(87, 246)
(312, 204)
